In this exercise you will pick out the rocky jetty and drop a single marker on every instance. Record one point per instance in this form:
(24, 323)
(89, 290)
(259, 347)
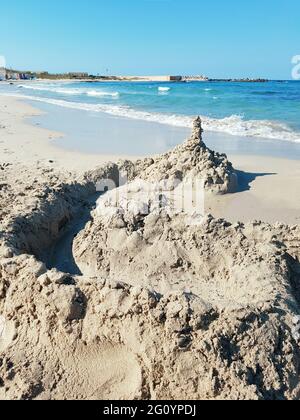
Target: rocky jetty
(246, 80)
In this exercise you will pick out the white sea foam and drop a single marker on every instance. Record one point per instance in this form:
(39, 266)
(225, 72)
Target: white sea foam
(234, 125)
(100, 94)
(49, 88)
(69, 91)
(164, 89)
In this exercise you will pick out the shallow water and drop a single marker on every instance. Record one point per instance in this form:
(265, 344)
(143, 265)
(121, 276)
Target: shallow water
(90, 132)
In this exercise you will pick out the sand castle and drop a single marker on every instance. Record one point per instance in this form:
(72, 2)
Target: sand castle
(192, 159)
(161, 310)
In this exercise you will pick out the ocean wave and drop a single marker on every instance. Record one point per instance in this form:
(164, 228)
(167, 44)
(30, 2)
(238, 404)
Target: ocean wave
(101, 94)
(70, 91)
(235, 124)
(164, 89)
(48, 88)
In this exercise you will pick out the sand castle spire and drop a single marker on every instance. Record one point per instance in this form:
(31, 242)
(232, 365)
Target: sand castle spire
(197, 129)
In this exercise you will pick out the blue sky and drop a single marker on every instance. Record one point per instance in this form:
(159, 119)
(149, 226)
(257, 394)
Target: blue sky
(220, 38)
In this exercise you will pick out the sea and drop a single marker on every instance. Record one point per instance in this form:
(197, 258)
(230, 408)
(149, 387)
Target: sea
(261, 111)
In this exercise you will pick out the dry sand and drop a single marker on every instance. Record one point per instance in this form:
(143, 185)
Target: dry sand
(160, 308)
(269, 191)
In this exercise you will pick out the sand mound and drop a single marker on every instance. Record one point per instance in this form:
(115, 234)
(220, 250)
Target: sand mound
(164, 308)
(105, 339)
(191, 160)
(36, 204)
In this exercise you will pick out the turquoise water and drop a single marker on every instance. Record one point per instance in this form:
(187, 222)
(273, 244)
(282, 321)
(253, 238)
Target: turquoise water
(262, 110)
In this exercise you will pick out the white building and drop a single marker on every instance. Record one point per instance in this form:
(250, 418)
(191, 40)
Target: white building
(2, 74)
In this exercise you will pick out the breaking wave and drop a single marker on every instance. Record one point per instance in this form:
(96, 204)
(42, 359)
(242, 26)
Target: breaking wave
(70, 91)
(234, 125)
(164, 89)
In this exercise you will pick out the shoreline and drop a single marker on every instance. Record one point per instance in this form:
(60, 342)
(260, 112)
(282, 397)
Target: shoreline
(102, 132)
(26, 143)
(268, 186)
(231, 125)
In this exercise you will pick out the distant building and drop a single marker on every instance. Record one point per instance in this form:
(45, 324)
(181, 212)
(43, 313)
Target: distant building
(2, 74)
(12, 75)
(78, 75)
(26, 76)
(16, 75)
(164, 78)
(175, 78)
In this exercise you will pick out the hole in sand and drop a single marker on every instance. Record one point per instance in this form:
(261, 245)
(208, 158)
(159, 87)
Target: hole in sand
(59, 254)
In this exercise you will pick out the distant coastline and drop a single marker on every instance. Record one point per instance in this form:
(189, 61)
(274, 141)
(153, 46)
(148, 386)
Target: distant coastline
(15, 75)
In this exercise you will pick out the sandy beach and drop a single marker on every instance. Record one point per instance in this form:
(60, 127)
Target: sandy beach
(22, 142)
(129, 299)
(149, 204)
(269, 191)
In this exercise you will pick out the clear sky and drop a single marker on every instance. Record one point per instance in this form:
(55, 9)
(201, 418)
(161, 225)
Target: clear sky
(219, 38)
